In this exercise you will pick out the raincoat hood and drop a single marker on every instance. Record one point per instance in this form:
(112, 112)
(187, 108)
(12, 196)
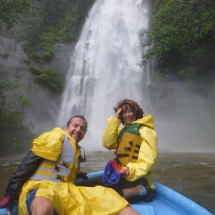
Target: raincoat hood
(146, 120)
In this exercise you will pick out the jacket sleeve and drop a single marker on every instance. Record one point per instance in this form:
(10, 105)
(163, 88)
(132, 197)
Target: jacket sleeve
(147, 155)
(27, 167)
(110, 135)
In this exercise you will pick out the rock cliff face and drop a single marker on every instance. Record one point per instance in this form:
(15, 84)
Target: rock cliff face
(44, 114)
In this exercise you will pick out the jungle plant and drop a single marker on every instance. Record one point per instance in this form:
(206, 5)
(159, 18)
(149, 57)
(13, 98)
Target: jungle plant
(50, 21)
(15, 134)
(49, 78)
(182, 32)
(12, 10)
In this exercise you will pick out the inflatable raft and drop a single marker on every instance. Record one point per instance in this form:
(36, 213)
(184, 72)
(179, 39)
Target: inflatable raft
(166, 202)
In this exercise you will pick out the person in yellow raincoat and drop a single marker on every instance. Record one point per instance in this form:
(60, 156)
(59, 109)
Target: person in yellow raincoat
(44, 181)
(136, 151)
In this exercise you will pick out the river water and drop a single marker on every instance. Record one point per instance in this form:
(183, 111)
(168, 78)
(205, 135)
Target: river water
(192, 174)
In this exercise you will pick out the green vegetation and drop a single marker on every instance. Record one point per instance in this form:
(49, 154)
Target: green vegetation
(182, 34)
(50, 21)
(11, 10)
(49, 78)
(15, 134)
(5, 55)
(39, 25)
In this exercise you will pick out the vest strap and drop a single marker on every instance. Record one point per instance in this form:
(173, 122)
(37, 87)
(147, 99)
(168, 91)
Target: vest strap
(57, 168)
(62, 178)
(68, 165)
(122, 155)
(134, 157)
(41, 172)
(47, 165)
(138, 146)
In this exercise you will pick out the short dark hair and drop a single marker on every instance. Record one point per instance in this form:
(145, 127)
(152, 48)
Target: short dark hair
(76, 116)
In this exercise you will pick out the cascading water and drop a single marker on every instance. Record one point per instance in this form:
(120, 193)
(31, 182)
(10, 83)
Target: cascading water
(104, 65)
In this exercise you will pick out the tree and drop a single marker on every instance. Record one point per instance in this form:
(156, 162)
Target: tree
(24, 102)
(11, 10)
(182, 33)
(15, 134)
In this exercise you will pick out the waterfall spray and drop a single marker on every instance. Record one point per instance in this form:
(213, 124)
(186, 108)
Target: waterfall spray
(104, 65)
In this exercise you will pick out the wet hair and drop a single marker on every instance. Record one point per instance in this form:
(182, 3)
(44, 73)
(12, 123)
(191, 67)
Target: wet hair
(76, 116)
(137, 110)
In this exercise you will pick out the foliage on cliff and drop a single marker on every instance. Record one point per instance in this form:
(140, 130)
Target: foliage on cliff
(45, 23)
(183, 37)
(11, 10)
(50, 21)
(38, 25)
(15, 134)
(49, 78)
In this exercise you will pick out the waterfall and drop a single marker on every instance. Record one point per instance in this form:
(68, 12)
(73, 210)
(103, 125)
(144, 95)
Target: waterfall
(104, 65)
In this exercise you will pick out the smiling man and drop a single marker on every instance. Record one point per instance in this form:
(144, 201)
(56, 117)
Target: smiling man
(44, 181)
(76, 127)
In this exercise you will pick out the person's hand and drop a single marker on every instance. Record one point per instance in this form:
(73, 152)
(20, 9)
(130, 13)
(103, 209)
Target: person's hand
(125, 172)
(7, 202)
(118, 114)
(10, 205)
(82, 175)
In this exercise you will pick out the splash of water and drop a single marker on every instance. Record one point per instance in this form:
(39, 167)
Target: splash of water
(104, 65)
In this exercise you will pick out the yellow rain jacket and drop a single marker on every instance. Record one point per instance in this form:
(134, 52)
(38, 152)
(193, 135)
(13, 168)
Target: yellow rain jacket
(148, 151)
(67, 198)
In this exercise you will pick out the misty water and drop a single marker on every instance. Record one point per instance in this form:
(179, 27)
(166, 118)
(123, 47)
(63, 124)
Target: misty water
(104, 64)
(192, 174)
(105, 68)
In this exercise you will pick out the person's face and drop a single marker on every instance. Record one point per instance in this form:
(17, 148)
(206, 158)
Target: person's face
(77, 129)
(128, 115)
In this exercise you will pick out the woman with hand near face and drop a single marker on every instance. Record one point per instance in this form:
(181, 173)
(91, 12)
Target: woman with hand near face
(136, 149)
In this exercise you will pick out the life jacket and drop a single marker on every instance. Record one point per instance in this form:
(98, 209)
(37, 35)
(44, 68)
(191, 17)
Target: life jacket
(64, 169)
(129, 143)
